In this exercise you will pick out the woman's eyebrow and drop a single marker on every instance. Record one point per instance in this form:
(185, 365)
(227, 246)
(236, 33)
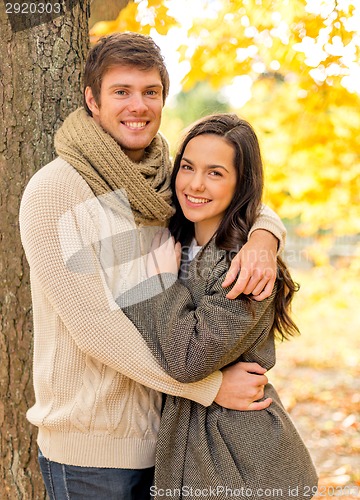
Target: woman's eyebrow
(187, 160)
(218, 166)
(207, 166)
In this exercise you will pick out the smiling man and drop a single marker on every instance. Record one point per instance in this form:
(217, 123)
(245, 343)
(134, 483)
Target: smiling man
(129, 109)
(87, 220)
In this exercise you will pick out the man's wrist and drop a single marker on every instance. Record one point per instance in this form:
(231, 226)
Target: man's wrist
(264, 236)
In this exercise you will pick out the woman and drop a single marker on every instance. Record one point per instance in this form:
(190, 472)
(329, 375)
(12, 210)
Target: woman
(193, 329)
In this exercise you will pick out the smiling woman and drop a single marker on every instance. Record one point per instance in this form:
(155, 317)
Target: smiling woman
(193, 328)
(205, 183)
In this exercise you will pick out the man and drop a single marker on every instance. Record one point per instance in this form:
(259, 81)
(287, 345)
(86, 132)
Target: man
(87, 220)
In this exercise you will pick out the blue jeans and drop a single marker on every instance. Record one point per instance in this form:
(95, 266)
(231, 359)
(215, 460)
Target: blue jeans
(70, 482)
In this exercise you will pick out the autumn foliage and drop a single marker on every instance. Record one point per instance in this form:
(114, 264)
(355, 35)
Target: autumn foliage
(302, 57)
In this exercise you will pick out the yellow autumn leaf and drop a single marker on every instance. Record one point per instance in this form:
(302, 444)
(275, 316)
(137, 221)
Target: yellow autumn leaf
(154, 3)
(103, 28)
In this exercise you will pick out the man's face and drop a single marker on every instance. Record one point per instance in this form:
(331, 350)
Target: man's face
(130, 107)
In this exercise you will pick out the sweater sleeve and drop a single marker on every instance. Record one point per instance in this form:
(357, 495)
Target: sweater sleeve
(80, 300)
(192, 341)
(271, 222)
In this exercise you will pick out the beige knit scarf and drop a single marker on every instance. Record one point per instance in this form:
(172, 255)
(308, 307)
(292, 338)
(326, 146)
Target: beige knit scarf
(106, 168)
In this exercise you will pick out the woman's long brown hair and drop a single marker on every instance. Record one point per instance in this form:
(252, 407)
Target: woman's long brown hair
(244, 209)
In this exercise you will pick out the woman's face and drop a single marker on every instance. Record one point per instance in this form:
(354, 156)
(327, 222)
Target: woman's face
(205, 183)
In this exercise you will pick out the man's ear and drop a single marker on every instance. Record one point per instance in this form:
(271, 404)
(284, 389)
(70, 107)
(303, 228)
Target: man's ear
(90, 101)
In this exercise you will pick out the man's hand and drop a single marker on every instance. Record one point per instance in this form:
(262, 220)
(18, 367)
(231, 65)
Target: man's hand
(242, 385)
(254, 267)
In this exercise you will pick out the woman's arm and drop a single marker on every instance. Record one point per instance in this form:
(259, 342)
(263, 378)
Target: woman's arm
(191, 342)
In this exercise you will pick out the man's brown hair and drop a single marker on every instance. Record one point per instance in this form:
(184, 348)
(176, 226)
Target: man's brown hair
(122, 49)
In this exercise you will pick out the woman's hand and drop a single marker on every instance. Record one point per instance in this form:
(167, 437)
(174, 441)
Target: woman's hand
(164, 255)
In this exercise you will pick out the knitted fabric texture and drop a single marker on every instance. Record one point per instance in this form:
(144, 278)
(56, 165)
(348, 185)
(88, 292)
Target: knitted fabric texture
(101, 162)
(193, 329)
(95, 380)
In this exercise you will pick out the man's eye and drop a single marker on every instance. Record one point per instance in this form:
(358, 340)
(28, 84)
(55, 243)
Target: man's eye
(120, 92)
(152, 93)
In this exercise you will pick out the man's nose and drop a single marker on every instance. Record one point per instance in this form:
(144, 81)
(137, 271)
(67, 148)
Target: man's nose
(137, 103)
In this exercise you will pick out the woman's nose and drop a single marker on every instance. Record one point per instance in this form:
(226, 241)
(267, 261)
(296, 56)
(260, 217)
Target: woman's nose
(197, 183)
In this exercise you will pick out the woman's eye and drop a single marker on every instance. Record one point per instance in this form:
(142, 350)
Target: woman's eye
(215, 173)
(186, 167)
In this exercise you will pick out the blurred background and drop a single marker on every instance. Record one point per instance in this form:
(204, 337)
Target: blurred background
(292, 68)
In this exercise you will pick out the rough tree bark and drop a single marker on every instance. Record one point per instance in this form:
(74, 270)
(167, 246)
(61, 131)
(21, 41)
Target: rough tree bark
(40, 83)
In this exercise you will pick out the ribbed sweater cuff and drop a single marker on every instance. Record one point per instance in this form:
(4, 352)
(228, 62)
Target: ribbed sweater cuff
(268, 224)
(204, 391)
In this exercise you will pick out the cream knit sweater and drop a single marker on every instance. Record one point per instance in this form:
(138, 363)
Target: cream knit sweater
(96, 382)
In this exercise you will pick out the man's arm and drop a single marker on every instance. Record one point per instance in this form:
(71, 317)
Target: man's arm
(80, 299)
(255, 266)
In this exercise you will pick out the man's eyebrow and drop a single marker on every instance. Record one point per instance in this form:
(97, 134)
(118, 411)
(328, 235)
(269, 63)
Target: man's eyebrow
(207, 166)
(128, 86)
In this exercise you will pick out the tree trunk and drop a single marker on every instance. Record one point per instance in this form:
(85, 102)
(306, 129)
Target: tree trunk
(40, 83)
(105, 11)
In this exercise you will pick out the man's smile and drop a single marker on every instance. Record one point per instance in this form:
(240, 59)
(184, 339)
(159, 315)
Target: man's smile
(134, 125)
